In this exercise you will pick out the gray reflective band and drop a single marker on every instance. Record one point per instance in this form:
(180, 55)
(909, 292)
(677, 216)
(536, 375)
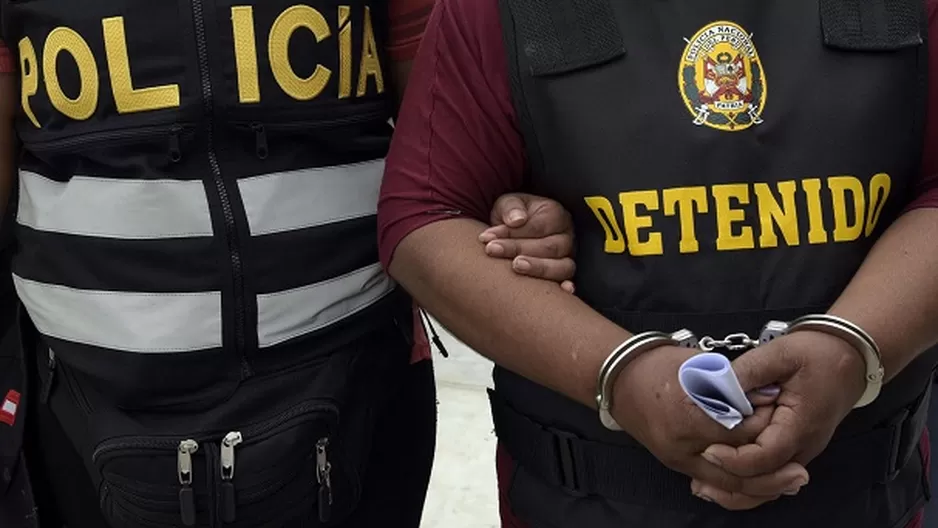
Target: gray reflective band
(132, 322)
(287, 201)
(114, 208)
(293, 313)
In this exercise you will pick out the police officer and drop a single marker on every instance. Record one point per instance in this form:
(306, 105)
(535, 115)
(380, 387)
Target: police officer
(209, 338)
(752, 172)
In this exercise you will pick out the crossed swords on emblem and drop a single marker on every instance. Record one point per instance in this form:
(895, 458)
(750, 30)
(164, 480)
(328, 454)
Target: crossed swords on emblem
(703, 113)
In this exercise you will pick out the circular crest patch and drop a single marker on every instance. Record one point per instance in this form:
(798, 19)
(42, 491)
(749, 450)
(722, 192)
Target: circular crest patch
(721, 78)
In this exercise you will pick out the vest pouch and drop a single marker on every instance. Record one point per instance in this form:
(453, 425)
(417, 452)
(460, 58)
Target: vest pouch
(272, 455)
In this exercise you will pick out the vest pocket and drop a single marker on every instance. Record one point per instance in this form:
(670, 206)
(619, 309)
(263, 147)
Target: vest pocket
(277, 471)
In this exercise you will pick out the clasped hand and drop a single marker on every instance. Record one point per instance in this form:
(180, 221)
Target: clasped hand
(816, 380)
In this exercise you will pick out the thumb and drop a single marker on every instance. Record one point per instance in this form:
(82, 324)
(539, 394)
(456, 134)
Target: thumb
(510, 209)
(763, 366)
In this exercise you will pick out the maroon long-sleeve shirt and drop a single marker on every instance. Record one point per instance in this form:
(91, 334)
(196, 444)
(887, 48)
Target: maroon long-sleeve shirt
(458, 147)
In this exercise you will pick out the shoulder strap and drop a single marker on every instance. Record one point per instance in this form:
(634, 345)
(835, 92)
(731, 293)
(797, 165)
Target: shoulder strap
(872, 25)
(560, 36)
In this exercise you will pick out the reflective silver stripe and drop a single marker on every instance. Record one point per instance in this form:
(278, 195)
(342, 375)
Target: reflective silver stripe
(114, 208)
(287, 201)
(132, 322)
(292, 313)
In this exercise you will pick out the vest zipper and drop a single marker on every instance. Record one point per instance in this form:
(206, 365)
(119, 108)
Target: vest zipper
(324, 479)
(231, 231)
(184, 468)
(228, 499)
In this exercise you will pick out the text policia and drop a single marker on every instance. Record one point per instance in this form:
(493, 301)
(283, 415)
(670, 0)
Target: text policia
(41, 68)
(745, 216)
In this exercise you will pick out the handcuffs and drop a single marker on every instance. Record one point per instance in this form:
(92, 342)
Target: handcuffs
(631, 348)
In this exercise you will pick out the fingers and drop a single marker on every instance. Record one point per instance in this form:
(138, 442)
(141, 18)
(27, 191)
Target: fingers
(772, 449)
(542, 218)
(751, 427)
(551, 247)
(568, 287)
(733, 501)
(554, 270)
(510, 209)
(764, 396)
(754, 491)
(763, 366)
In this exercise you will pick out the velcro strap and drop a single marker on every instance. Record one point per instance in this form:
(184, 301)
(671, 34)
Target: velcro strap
(631, 474)
(872, 25)
(560, 36)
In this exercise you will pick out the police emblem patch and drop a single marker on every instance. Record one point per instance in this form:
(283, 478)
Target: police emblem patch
(721, 78)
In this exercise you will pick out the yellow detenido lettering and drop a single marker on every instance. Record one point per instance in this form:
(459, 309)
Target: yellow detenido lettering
(812, 190)
(777, 208)
(772, 214)
(846, 229)
(85, 103)
(635, 222)
(127, 98)
(602, 208)
(684, 200)
(880, 184)
(726, 216)
(29, 71)
(294, 18)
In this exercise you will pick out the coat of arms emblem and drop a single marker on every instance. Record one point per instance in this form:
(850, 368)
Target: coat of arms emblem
(721, 78)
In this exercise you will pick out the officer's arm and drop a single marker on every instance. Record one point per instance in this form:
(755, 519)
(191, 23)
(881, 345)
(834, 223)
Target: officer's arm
(8, 98)
(408, 19)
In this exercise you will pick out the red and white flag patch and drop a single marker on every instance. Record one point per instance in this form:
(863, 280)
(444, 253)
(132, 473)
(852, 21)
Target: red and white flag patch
(8, 407)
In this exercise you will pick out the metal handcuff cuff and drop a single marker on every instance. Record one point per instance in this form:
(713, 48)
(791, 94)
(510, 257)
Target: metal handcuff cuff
(625, 353)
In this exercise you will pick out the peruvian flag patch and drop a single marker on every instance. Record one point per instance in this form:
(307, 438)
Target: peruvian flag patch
(9, 406)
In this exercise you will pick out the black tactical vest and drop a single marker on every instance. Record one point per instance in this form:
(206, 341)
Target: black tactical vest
(726, 163)
(198, 185)
(197, 250)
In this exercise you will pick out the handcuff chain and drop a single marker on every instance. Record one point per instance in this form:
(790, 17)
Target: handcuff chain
(737, 342)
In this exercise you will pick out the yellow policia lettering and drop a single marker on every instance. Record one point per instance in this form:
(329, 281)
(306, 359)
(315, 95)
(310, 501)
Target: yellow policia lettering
(84, 104)
(127, 98)
(29, 71)
(852, 207)
(345, 52)
(369, 64)
(245, 48)
(287, 23)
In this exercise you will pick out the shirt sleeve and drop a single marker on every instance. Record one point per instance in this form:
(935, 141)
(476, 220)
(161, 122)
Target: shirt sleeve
(457, 147)
(6, 59)
(927, 189)
(408, 18)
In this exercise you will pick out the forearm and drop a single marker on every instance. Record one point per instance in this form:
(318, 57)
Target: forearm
(529, 326)
(894, 295)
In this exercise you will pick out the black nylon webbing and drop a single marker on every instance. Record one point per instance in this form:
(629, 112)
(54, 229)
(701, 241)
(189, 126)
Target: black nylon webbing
(559, 36)
(630, 474)
(871, 25)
